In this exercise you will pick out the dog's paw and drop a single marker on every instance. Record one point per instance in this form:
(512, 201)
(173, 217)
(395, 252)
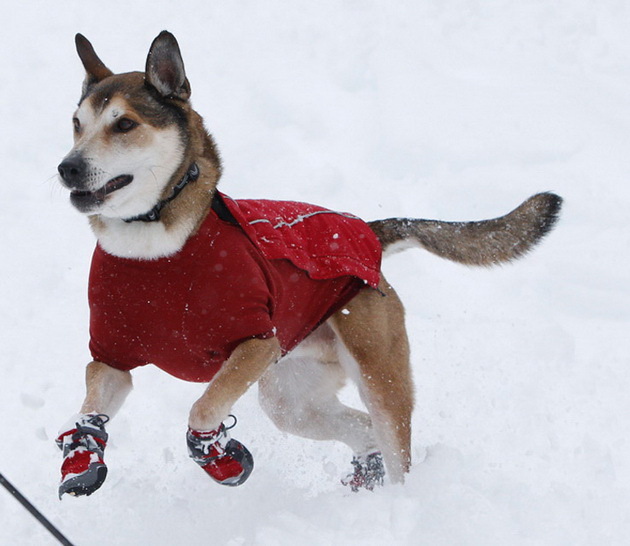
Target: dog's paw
(368, 472)
(83, 469)
(224, 459)
(85, 483)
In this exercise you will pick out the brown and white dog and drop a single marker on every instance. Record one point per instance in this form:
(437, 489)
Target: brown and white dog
(145, 171)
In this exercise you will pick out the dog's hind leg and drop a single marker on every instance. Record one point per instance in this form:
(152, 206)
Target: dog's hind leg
(375, 353)
(299, 394)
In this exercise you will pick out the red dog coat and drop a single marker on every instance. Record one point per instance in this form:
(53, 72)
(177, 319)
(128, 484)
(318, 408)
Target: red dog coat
(254, 269)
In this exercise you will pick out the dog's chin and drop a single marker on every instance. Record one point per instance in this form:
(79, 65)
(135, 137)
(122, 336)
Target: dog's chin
(90, 202)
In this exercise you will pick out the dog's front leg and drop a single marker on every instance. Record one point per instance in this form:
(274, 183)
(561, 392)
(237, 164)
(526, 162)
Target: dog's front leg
(244, 367)
(106, 389)
(224, 459)
(83, 438)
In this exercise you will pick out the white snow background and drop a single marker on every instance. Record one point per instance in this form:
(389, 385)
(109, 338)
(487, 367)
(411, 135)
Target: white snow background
(449, 109)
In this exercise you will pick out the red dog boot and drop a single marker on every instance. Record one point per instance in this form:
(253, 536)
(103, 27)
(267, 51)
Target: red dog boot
(368, 472)
(225, 460)
(83, 470)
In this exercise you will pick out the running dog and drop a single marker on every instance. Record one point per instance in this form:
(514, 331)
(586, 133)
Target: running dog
(236, 292)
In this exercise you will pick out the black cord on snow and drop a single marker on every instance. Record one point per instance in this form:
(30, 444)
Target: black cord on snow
(34, 511)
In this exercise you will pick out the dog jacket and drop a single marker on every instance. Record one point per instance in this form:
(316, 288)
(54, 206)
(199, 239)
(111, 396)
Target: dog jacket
(254, 269)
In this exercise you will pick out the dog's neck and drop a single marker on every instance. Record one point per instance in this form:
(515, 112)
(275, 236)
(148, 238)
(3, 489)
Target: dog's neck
(141, 241)
(155, 213)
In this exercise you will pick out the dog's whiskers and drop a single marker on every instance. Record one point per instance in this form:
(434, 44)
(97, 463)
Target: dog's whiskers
(48, 180)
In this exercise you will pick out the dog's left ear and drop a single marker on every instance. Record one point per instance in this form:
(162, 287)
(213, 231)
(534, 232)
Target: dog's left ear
(165, 68)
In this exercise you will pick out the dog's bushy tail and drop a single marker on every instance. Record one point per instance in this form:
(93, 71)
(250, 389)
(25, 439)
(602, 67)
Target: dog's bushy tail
(485, 243)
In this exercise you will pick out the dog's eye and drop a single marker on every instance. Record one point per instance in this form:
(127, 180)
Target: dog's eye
(77, 124)
(124, 125)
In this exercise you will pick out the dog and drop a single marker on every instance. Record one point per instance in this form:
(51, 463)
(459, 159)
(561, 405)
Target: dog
(236, 292)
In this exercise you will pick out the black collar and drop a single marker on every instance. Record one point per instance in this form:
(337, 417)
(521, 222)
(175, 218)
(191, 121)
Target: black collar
(154, 214)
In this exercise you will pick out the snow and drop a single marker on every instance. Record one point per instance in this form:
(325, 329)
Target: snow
(451, 109)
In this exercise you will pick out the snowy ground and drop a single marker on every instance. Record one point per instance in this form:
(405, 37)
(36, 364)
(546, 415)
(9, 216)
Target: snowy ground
(454, 109)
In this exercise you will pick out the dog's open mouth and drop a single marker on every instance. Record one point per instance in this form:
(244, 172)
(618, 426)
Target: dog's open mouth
(113, 185)
(86, 200)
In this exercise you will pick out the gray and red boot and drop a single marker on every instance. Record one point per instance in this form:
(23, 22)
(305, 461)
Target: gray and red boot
(83, 470)
(368, 472)
(224, 459)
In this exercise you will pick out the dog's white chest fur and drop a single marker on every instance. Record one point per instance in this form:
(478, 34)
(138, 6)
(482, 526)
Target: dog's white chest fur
(142, 240)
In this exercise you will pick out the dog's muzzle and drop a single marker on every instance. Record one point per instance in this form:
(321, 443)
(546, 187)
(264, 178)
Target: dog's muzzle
(74, 174)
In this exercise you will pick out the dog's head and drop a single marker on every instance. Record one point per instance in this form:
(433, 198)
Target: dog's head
(130, 132)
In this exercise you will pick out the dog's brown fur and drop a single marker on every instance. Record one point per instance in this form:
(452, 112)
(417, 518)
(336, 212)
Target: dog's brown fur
(486, 243)
(372, 329)
(366, 340)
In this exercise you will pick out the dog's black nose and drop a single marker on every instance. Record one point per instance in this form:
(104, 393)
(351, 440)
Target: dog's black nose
(72, 171)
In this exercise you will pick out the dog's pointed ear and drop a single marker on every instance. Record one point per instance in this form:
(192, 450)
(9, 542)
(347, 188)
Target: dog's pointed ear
(95, 70)
(165, 68)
